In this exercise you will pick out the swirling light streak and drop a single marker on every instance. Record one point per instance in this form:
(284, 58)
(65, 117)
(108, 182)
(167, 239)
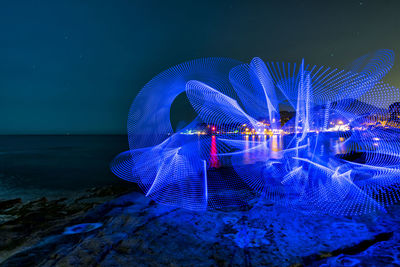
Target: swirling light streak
(332, 155)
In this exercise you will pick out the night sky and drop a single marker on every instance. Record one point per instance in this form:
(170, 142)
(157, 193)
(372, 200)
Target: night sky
(74, 66)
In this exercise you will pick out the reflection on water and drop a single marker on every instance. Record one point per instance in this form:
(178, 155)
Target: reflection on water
(263, 147)
(338, 145)
(214, 161)
(276, 144)
(246, 156)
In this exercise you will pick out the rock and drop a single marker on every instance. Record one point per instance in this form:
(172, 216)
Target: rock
(24, 224)
(6, 204)
(6, 218)
(137, 231)
(82, 228)
(343, 260)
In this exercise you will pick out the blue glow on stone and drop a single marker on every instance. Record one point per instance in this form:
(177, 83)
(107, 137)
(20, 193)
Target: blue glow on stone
(82, 228)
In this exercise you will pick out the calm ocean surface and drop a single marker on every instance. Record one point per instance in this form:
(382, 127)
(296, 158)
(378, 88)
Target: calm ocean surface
(64, 166)
(56, 166)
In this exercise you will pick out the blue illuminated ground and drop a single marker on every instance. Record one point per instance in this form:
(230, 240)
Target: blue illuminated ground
(136, 231)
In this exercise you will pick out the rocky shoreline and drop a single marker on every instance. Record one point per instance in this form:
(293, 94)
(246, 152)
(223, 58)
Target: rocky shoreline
(135, 231)
(23, 224)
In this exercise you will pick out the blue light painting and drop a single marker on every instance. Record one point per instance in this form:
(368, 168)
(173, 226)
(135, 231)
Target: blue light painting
(315, 138)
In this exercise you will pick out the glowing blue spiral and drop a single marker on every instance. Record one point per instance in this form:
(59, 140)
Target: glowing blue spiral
(309, 137)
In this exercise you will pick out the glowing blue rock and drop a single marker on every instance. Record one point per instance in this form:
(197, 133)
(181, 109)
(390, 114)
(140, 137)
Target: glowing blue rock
(81, 228)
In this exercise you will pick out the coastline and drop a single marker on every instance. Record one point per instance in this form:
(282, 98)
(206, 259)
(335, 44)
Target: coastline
(135, 230)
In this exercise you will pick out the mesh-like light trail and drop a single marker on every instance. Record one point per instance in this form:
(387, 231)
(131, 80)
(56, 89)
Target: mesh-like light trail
(320, 139)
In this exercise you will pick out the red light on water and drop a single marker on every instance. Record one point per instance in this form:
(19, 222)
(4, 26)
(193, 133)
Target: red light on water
(214, 161)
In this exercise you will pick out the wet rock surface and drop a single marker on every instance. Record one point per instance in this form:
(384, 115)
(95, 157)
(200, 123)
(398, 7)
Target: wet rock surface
(136, 231)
